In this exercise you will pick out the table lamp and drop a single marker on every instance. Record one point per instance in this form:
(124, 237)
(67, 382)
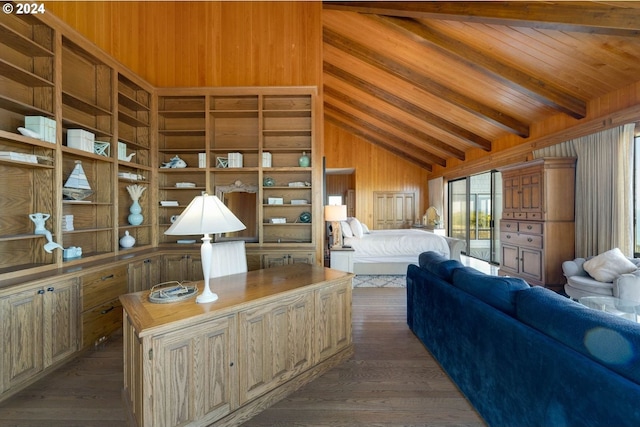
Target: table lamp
(205, 215)
(335, 214)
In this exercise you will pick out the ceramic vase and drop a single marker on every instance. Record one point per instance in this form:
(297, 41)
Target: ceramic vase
(304, 160)
(135, 217)
(127, 241)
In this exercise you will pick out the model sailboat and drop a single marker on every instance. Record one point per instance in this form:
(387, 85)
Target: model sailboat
(77, 186)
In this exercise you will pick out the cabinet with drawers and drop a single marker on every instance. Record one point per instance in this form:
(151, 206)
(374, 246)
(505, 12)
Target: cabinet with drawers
(101, 308)
(537, 228)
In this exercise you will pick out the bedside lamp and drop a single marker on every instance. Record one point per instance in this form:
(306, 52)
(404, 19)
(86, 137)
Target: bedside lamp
(335, 214)
(205, 215)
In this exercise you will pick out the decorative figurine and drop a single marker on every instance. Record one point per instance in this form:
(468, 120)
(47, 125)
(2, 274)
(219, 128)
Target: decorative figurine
(175, 162)
(127, 241)
(39, 220)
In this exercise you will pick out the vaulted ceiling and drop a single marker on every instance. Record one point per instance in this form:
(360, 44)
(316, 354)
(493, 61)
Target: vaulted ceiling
(431, 80)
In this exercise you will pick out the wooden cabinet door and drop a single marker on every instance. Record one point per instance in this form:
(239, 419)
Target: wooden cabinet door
(174, 267)
(275, 344)
(394, 210)
(510, 193)
(195, 375)
(531, 264)
(531, 192)
(21, 344)
(333, 320)
(274, 260)
(510, 261)
(60, 319)
(144, 274)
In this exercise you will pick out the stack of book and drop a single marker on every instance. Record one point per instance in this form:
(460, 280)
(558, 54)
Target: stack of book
(169, 203)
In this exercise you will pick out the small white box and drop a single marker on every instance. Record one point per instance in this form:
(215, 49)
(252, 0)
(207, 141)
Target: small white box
(19, 157)
(42, 125)
(275, 201)
(235, 160)
(202, 160)
(122, 151)
(266, 160)
(278, 220)
(80, 139)
(299, 202)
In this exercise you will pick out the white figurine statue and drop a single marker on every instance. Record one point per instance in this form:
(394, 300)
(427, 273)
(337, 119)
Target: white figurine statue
(39, 220)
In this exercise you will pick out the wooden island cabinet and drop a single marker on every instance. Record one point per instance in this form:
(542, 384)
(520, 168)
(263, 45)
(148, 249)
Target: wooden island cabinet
(270, 332)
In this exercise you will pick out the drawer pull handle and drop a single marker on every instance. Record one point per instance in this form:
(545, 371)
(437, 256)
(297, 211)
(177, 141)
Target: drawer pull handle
(508, 236)
(107, 310)
(147, 261)
(50, 289)
(508, 225)
(529, 240)
(40, 291)
(529, 227)
(107, 277)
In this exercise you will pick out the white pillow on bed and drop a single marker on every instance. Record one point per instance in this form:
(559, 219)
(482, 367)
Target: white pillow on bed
(356, 227)
(365, 229)
(346, 229)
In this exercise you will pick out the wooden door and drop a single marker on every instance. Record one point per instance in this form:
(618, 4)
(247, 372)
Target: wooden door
(60, 320)
(394, 210)
(202, 359)
(333, 324)
(143, 275)
(531, 264)
(531, 192)
(22, 337)
(275, 344)
(510, 259)
(510, 193)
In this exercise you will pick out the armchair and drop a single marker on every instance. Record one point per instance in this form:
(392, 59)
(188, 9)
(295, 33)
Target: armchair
(581, 284)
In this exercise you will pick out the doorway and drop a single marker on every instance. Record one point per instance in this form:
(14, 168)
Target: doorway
(475, 207)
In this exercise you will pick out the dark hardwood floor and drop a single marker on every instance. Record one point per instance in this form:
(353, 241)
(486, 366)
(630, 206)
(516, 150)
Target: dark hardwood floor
(390, 381)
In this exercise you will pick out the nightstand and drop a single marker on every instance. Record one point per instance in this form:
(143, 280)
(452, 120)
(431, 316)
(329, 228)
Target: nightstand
(342, 259)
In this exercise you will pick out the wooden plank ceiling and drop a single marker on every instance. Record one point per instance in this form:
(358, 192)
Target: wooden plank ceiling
(431, 80)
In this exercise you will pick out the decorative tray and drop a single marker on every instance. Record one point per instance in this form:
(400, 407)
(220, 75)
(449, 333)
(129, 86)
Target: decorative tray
(174, 291)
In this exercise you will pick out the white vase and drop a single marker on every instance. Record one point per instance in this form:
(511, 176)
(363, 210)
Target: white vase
(127, 241)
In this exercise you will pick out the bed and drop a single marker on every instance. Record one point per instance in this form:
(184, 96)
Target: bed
(391, 251)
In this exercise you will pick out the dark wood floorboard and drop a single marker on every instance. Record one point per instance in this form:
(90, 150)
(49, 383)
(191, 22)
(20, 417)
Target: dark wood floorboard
(391, 380)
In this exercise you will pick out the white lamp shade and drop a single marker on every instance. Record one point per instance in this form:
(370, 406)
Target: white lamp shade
(205, 215)
(335, 213)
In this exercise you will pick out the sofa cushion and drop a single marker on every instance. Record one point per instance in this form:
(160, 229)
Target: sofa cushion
(591, 285)
(438, 265)
(496, 291)
(609, 265)
(627, 287)
(611, 341)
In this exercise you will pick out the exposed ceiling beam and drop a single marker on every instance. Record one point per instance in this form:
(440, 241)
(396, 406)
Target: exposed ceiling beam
(586, 17)
(332, 118)
(397, 69)
(408, 107)
(428, 140)
(391, 139)
(543, 91)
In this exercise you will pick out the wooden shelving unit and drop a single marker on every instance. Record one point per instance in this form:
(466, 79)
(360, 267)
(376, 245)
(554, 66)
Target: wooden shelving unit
(50, 72)
(254, 123)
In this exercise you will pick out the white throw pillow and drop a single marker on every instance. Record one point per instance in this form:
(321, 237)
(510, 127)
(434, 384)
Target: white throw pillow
(365, 229)
(346, 229)
(609, 265)
(356, 227)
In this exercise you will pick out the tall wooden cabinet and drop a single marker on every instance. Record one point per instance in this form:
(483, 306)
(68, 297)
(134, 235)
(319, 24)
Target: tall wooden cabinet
(537, 228)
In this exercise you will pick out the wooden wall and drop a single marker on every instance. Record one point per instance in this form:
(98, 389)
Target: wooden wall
(376, 170)
(206, 43)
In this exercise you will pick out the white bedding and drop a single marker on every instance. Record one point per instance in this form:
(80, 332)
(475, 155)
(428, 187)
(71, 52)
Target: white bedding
(394, 245)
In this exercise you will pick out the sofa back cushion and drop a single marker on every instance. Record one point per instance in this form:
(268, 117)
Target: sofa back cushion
(438, 265)
(496, 291)
(609, 340)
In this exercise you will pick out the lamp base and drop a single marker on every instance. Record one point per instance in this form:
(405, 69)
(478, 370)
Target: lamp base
(211, 297)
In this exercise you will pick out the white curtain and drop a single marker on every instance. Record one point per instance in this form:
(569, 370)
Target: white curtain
(604, 191)
(436, 195)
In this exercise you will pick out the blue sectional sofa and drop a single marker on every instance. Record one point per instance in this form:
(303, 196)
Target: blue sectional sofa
(525, 356)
